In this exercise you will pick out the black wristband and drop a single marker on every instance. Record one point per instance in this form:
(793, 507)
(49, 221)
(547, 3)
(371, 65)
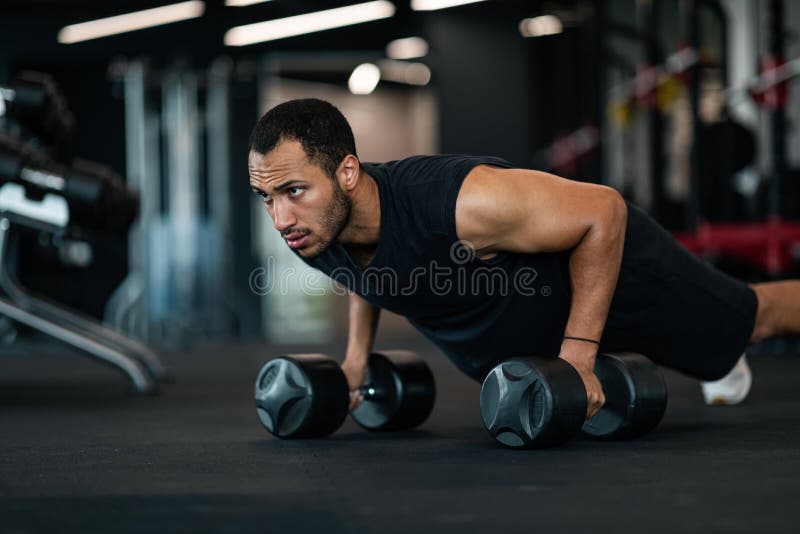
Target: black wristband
(583, 339)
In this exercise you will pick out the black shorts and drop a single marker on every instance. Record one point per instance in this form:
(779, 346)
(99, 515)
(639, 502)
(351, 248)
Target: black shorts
(674, 308)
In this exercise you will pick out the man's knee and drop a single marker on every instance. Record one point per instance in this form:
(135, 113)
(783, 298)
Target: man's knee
(766, 324)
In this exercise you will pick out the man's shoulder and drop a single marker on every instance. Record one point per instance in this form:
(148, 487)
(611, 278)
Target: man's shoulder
(428, 168)
(421, 191)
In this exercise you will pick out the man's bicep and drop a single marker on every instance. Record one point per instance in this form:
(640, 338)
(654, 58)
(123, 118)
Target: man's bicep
(520, 210)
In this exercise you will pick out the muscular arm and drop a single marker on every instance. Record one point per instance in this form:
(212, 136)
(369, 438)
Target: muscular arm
(517, 210)
(363, 323)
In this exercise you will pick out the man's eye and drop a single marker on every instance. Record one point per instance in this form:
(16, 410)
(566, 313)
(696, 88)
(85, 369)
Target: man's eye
(265, 197)
(294, 191)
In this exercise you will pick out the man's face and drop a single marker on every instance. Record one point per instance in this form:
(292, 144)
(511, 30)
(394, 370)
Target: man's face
(308, 208)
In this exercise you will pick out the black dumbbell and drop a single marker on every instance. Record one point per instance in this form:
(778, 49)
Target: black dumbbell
(306, 395)
(533, 402)
(636, 397)
(540, 402)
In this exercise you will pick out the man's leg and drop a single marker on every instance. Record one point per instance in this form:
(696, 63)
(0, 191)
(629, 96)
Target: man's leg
(778, 313)
(778, 309)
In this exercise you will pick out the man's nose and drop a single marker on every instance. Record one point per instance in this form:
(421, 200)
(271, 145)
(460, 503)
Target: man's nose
(283, 216)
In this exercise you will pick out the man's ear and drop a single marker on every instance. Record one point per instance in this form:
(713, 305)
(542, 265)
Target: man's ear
(348, 172)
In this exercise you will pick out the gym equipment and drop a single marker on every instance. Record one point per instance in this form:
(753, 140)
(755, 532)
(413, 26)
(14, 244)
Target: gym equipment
(399, 392)
(636, 397)
(34, 100)
(538, 402)
(769, 244)
(306, 395)
(81, 326)
(96, 196)
(179, 147)
(533, 402)
(59, 200)
(301, 396)
(564, 154)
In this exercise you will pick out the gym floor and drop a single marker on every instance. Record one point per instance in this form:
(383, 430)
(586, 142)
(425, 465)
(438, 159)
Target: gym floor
(79, 454)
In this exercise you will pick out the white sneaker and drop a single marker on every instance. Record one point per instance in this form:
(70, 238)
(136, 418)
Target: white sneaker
(731, 388)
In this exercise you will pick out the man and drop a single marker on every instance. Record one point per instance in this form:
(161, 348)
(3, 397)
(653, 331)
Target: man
(491, 262)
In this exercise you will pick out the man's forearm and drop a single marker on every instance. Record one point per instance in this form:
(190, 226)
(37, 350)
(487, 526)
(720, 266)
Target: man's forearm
(594, 268)
(363, 324)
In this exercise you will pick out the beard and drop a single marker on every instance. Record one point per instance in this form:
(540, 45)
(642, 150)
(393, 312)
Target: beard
(333, 221)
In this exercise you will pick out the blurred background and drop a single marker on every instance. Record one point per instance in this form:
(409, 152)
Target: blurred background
(137, 113)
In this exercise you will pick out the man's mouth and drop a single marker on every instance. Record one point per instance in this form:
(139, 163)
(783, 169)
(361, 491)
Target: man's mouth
(296, 240)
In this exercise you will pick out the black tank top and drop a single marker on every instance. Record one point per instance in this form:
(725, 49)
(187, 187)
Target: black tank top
(478, 312)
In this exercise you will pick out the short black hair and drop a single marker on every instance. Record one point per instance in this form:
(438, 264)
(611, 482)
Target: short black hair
(316, 124)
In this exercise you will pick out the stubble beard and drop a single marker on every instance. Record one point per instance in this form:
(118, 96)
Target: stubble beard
(334, 220)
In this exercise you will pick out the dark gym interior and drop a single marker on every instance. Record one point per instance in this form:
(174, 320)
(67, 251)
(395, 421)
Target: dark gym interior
(143, 287)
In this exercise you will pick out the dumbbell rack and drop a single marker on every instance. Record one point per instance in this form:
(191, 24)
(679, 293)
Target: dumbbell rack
(136, 361)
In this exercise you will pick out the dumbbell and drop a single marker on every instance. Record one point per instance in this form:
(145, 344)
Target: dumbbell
(636, 397)
(538, 402)
(306, 395)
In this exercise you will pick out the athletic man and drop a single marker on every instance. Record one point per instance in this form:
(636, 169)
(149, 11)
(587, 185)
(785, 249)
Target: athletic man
(491, 262)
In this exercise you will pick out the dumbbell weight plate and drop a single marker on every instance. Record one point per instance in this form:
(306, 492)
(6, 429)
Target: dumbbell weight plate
(301, 395)
(400, 392)
(533, 402)
(636, 397)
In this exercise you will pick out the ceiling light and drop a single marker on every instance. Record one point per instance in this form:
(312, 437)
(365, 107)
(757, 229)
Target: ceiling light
(431, 5)
(242, 3)
(364, 79)
(407, 48)
(129, 22)
(308, 23)
(541, 26)
(405, 72)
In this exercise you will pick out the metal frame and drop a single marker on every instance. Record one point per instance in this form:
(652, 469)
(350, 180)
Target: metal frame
(141, 365)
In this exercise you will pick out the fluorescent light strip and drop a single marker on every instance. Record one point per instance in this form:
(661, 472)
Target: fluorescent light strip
(272, 30)
(432, 5)
(242, 3)
(407, 48)
(541, 26)
(404, 72)
(138, 20)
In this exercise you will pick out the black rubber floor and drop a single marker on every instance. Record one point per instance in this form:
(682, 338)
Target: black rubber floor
(78, 454)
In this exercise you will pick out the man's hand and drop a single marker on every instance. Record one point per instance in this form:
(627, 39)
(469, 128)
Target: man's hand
(355, 370)
(582, 359)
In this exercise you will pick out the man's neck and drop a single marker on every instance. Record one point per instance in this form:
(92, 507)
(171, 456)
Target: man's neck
(363, 229)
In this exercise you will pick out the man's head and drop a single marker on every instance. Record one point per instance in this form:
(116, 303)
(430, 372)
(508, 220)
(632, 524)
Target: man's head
(303, 163)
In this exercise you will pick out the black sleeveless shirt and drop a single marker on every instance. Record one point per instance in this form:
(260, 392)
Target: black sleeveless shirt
(668, 304)
(478, 312)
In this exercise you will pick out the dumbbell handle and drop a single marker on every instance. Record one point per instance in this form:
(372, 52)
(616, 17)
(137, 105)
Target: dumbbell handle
(370, 392)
